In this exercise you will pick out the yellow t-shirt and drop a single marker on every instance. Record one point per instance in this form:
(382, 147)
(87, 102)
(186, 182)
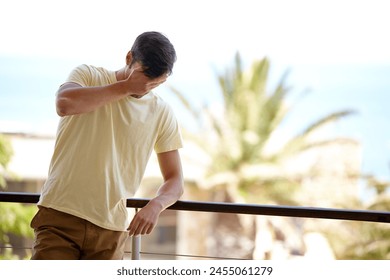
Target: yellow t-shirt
(100, 157)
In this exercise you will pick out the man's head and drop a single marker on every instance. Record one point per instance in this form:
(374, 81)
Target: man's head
(154, 52)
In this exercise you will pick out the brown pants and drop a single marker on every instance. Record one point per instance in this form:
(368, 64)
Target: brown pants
(60, 236)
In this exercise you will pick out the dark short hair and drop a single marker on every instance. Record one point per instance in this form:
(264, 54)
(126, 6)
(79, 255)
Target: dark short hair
(155, 53)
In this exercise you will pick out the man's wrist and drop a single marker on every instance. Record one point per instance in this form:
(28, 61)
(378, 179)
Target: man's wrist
(156, 204)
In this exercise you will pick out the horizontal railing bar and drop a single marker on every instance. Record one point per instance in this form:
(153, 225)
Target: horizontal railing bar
(235, 208)
(20, 197)
(274, 210)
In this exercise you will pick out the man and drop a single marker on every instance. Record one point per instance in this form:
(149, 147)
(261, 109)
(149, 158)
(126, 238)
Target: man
(110, 123)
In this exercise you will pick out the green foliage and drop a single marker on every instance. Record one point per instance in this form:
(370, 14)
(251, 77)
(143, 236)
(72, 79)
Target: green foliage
(8, 254)
(5, 156)
(372, 240)
(14, 218)
(373, 243)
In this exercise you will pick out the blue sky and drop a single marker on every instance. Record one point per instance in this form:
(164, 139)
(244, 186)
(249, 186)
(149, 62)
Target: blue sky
(337, 49)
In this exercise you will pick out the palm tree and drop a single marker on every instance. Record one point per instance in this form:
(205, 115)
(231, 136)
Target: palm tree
(239, 138)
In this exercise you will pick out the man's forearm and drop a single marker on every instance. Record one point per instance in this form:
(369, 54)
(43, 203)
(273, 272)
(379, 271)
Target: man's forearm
(73, 99)
(169, 192)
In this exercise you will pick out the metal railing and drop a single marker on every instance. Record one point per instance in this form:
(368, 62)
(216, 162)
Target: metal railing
(234, 208)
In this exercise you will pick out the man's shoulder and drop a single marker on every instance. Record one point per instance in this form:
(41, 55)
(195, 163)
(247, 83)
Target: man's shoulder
(165, 108)
(91, 75)
(160, 102)
(87, 68)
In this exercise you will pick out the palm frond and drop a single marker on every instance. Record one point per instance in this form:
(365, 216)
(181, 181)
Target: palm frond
(259, 78)
(300, 142)
(325, 120)
(185, 102)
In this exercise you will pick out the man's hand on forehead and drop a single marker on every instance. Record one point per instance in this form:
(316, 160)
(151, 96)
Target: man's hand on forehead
(139, 84)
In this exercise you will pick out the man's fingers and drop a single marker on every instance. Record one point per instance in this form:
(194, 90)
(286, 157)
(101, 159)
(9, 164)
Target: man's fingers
(144, 221)
(136, 69)
(133, 70)
(140, 230)
(140, 227)
(149, 229)
(135, 230)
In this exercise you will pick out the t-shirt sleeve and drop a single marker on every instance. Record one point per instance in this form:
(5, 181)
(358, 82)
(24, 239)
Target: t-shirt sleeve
(169, 136)
(80, 75)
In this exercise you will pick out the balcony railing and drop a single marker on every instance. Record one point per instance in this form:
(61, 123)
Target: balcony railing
(233, 208)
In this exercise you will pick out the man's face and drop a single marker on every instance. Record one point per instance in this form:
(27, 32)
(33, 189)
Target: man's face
(137, 72)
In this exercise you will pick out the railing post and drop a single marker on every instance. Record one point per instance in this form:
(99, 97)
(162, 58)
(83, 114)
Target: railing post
(136, 245)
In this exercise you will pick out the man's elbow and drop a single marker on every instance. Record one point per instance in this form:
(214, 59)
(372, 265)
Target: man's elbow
(63, 107)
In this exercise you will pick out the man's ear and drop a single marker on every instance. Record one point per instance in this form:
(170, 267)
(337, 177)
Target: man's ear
(129, 58)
